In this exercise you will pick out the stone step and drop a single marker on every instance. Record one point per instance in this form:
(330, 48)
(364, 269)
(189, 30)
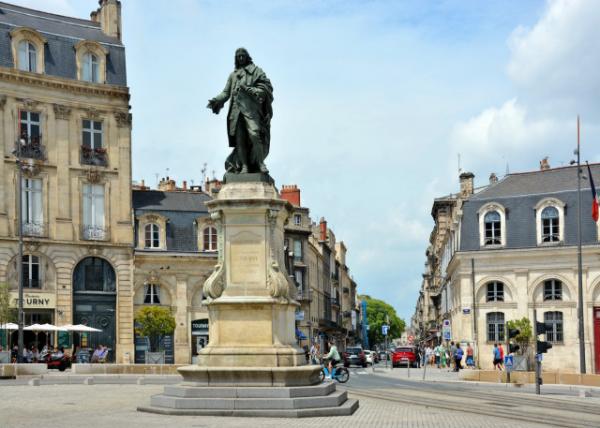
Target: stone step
(334, 399)
(345, 409)
(184, 391)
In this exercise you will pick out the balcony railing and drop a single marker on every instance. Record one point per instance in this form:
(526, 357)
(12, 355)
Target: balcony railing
(335, 301)
(31, 147)
(94, 233)
(96, 156)
(32, 228)
(303, 295)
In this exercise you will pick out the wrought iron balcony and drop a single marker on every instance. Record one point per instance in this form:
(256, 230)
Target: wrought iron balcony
(96, 156)
(94, 233)
(32, 228)
(303, 295)
(30, 147)
(335, 302)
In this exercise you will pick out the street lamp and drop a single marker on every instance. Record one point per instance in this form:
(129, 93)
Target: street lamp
(20, 143)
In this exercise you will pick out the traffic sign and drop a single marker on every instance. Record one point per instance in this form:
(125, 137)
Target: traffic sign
(384, 329)
(446, 330)
(508, 362)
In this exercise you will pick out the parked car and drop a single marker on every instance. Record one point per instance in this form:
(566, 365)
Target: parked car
(404, 355)
(383, 356)
(370, 356)
(354, 356)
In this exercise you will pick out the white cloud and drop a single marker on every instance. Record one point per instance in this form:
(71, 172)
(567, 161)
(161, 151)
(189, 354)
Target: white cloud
(558, 58)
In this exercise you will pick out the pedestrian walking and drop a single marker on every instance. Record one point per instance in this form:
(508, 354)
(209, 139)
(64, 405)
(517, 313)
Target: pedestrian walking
(470, 362)
(497, 359)
(501, 349)
(437, 352)
(458, 355)
(452, 353)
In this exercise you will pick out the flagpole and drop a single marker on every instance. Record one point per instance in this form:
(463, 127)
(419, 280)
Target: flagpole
(579, 262)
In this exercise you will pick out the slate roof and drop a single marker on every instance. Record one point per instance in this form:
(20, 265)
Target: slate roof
(519, 194)
(180, 208)
(62, 34)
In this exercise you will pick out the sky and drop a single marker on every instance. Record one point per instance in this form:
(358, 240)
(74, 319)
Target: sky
(377, 104)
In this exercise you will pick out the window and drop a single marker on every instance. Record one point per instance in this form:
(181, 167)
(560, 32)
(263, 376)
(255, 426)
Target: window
(93, 212)
(31, 271)
(152, 296)
(92, 134)
(31, 207)
(495, 292)
(30, 125)
(552, 289)
(554, 319)
(297, 220)
(152, 236)
(27, 56)
(495, 323)
(297, 250)
(94, 274)
(210, 238)
(90, 71)
(298, 274)
(550, 225)
(493, 234)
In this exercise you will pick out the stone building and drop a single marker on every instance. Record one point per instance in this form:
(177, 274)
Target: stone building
(175, 251)
(64, 100)
(326, 291)
(515, 250)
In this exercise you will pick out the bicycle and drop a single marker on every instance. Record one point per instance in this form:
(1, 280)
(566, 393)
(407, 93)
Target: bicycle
(340, 373)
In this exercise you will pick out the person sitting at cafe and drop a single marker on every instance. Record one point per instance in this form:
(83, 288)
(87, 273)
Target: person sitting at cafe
(96, 354)
(103, 354)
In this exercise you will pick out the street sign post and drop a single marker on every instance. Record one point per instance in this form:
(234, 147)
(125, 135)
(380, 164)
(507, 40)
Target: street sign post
(384, 329)
(446, 330)
(508, 363)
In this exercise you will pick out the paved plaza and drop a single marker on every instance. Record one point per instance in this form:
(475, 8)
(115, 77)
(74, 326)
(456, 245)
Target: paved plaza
(112, 406)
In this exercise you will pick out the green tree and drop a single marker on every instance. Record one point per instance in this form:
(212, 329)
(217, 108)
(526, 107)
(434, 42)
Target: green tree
(154, 322)
(7, 314)
(523, 339)
(377, 313)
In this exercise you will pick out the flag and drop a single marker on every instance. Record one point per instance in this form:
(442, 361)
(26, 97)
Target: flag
(594, 196)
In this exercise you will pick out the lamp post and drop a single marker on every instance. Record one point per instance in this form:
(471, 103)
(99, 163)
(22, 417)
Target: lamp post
(20, 143)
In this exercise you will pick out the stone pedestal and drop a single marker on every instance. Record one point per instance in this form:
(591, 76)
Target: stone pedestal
(251, 309)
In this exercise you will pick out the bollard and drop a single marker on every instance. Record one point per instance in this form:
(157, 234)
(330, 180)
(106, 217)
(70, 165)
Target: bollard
(141, 381)
(34, 382)
(88, 381)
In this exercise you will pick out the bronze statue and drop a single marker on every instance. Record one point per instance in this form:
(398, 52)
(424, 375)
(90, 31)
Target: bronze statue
(249, 117)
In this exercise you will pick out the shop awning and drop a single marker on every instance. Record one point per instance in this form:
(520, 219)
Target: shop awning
(300, 335)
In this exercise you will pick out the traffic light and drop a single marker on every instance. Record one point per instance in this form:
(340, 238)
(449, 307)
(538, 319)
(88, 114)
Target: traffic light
(513, 332)
(541, 328)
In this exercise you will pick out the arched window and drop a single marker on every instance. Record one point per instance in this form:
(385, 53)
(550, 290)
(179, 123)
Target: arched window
(552, 289)
(554, 319)
(495, 324)
(27, 56)
(550, 225)
(152, 294)
(152, 236)
(31, 271)
(495, 292)
(209, 238)
(94, 274)
(90, 68)
(493, 232)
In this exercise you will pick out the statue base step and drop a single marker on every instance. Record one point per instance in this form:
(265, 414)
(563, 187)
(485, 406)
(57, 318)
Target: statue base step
(292, 402)
(202, 376)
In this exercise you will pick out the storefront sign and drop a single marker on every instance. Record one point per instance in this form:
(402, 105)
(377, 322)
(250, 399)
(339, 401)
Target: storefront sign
(33, 300)
(200, 327)
(299, 315)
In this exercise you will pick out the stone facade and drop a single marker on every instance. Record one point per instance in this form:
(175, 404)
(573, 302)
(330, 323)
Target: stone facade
(515, 250)
(64, 101)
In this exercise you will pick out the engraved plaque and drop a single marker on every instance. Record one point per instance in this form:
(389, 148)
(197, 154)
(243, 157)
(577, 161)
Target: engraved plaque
(246, 266)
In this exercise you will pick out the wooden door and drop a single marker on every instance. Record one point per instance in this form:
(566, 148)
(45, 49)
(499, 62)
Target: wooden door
(597, 339)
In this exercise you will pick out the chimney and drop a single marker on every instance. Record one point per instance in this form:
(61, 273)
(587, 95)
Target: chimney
(109, 17)
(544, 164)
(466, 183)
(143, 184)
(493, 178)
(184, 186)
(323, 229)
(291, 193)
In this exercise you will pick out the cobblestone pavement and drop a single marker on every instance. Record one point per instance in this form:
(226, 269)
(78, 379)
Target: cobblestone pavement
(113, 406)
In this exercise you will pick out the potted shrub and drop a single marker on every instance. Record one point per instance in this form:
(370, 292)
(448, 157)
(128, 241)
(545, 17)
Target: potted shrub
(154, 322)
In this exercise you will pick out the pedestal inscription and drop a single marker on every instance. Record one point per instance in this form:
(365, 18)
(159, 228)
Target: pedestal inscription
(246, 263)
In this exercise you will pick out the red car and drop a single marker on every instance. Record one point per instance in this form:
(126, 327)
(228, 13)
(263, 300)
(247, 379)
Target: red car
(404, 355)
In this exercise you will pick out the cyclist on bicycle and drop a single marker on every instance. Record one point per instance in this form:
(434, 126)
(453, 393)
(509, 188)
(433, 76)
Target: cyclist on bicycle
(333, 357)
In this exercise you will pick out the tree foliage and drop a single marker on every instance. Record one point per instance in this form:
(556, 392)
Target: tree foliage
(7, 314)
(523, 339)
(377, 312)
(154, 322)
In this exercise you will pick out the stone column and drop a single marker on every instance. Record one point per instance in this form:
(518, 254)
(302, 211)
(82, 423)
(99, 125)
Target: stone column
(182, 345)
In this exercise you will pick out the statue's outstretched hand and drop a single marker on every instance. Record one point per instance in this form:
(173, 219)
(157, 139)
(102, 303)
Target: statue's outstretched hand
(214, 105)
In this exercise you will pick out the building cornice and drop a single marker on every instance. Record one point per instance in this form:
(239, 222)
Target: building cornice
(68, 85)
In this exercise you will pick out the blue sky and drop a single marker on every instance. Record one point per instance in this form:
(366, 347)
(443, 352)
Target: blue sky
(374, 100)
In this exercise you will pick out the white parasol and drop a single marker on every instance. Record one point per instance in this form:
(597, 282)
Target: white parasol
(80, 328)
(9, 327)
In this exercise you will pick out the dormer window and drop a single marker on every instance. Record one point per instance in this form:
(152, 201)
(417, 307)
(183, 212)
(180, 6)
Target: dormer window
(550, 225)
(209, 238)
(27, 56)
(152, 236)
(493, 229)
(90, 68)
